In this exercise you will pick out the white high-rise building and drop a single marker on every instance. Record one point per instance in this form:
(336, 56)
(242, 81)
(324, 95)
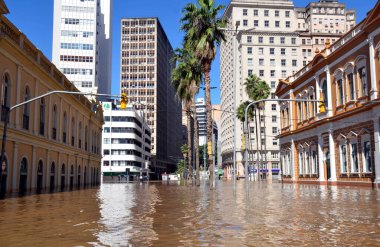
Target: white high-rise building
(273, 41)
(82, 42)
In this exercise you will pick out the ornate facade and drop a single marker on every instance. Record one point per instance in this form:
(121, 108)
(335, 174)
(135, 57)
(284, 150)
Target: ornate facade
(341, 145)
(52, 143)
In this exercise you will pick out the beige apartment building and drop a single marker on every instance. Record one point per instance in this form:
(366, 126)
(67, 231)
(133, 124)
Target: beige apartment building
(146, 66)
(53, 143)
(319, 21)
(340, 146)
(269, 43)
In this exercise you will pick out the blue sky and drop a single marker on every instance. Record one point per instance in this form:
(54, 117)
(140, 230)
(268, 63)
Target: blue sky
(35, 19)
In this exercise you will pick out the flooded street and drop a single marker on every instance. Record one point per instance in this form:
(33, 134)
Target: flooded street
(158, 214)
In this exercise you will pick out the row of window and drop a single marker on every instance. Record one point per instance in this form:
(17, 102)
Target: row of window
(122, 141)
(84, 59)
(350, 152)
(133, 23)
(77, 46)
(267, 23)
(122, 152)
(122, 163)
(75, 34)
(272, 62)
(122, 130)
(74, 21)
(76, 129)
(66, 8)
(123, 119)
(76, 71)
(86, 84)
(271, 40)
(266, 12)
(284, 73)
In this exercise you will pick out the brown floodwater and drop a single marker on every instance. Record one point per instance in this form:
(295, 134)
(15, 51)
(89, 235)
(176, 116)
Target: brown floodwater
(160, 214)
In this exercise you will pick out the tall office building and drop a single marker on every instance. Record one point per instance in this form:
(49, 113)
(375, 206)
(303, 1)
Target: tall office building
(146, 66)
(270, 42)
(82, 44)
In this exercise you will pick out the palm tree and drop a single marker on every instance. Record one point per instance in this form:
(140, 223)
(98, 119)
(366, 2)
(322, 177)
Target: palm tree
(203, 34)
(186, 78)
(257, 89)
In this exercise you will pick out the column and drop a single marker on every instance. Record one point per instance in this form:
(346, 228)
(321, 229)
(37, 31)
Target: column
(291, 125)
(47, 170)
(377, 149)
(18, 92)
(332, 155)
(36, 115)
(33, 166)
(292, 163)
(322, 175)
(374, 91)
(49, 107)
(329, 94)
(15, 168)
(59, 120)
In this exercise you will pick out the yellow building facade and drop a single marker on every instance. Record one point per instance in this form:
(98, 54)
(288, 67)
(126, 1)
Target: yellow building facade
(53, 143)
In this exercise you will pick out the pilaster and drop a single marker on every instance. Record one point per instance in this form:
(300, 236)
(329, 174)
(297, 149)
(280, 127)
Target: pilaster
(374, 90)
(332, 155)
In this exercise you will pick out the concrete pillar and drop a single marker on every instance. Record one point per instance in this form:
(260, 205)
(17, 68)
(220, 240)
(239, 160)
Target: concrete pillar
(292, 162)
(322, 175)
(47, 169)
(15, 168)
(377, 149)
(332, 155)
(374, 90)
(329, 93)
(19, 94)
(33, 167)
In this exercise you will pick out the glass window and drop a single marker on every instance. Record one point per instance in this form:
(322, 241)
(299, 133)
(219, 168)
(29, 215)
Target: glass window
(287, 13)
(276, 13)
(367, 156)
(271, 40)
(273, 84)
(354, 157)
(350, 81)
(283, 62)
(294, 63)
(245, 11)
(283, 51)
(274, 107)
(277, 23)
(250, 72)
(261, 62)
(293, 41)
(260, 39)
(261, 72)
(249, 39)
(266, 23)
(271, 51)
(245, 23)
(255, 12)
(266, 12)
(363, 81)
(272, 73)
(249, 50)
(287, 24)
(343, 158)
(255, 23)
(261, 51)
(282, 40)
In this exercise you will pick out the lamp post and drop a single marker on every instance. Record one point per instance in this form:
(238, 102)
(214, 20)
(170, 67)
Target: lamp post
(246, 123)
(7, 112)
(234, 61)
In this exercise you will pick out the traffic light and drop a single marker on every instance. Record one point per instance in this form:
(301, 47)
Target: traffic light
(123, 101)
(321, 106)
(209, 148)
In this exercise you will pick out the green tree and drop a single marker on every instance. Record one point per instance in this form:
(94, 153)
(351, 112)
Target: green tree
(186, 78)
(203, 34)
(180, 167)
(257, 89)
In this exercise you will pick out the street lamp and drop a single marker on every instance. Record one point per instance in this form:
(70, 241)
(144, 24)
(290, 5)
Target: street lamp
(321, 109)
(234, 61)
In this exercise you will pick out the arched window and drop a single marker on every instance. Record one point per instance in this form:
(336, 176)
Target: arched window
(324, 93)
(72, 131)
(80, 135)
(362, 76)
(25, 118)
(350, 82)
(54, 129)
(5, 96)
(42, 117)
(64, 127)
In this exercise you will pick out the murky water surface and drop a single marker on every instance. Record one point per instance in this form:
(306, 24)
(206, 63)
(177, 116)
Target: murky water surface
(158, 214)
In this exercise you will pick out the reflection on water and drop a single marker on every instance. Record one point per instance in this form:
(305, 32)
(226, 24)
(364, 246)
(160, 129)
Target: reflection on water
(173, 215)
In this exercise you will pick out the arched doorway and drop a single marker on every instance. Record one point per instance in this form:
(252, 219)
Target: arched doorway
(39, 176)
(63, 176)
(4, 172)
(78, 181)
(52, 177)
(23, 176)
(71, 177)
(328, 168)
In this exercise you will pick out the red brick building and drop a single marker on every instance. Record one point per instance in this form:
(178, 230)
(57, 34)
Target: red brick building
(341, 145)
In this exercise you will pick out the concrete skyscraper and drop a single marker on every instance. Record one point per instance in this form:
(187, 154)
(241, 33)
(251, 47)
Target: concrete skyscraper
(146, 67)
(82, 42)
(273, 41)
